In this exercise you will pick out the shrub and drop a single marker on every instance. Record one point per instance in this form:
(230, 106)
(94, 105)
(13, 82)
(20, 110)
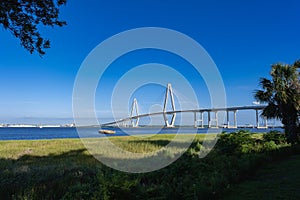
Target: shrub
(236, 142)
(270, 146)
(275, 136)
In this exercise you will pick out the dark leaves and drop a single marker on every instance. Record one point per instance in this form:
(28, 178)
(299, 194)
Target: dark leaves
(272, 111)
(22, 18)
(282, 94)
(262, 96)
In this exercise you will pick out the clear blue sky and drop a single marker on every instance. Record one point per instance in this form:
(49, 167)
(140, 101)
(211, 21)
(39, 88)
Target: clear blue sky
(243, 38)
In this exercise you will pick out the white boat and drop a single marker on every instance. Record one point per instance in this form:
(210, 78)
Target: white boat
(103, 131)
(49, 126)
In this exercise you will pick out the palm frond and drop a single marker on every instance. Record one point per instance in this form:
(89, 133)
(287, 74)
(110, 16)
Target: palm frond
(297, 64)
(263, 96)
(271, 111)
(266, 84)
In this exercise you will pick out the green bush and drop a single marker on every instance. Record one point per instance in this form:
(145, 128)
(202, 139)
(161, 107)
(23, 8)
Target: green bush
(275, 136)
(270, 146)
(235, 143)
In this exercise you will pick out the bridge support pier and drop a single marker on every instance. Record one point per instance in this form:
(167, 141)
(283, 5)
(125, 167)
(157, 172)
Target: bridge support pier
(234, 119)
(196, 120)
(167, 124)
(257, 120)
(208, 119)
(215, 120)
(227, 118)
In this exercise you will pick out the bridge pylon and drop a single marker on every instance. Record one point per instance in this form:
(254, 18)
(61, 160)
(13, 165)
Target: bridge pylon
(134, 112)
(169, 92)
(258, 125)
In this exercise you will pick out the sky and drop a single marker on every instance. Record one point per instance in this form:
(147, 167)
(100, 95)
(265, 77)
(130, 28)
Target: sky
(244, 38)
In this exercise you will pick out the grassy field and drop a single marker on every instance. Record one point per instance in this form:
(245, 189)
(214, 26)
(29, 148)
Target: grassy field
(276, 180)
(15, 149)
(64, 169)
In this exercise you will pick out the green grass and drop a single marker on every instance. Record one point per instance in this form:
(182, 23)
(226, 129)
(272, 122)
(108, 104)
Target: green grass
(64, 169)
(277, 180)
(15, 149)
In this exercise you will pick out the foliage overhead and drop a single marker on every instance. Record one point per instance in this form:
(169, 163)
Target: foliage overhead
(23, 18)
(282, 94)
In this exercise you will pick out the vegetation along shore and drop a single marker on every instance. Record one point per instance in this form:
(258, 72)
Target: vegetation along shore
(63, 169)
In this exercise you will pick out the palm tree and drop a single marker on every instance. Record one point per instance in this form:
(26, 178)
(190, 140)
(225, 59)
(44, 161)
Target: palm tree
(282, 94)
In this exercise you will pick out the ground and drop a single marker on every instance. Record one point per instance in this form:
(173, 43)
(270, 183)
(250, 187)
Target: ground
(276, 180)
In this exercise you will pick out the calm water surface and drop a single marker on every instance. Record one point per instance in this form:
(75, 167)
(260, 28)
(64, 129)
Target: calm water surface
(8, 133)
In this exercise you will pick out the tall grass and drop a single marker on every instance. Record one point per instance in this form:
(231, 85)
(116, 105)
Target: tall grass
(64, 169)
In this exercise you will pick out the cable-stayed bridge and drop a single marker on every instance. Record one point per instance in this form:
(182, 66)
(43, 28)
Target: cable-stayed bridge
(211, 121)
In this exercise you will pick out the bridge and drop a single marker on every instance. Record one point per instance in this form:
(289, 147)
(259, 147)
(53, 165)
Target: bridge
(199, 121)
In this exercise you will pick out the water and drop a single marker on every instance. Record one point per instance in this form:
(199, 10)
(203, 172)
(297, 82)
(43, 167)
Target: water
(8, 133)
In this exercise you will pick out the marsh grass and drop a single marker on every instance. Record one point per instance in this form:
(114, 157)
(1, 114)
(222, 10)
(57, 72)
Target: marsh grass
(142, 144)
(64, 169)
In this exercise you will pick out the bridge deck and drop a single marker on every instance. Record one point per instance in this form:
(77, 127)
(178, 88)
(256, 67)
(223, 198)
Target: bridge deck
(259, 107)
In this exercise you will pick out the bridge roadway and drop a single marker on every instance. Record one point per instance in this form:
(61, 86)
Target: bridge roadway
(208, 110)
